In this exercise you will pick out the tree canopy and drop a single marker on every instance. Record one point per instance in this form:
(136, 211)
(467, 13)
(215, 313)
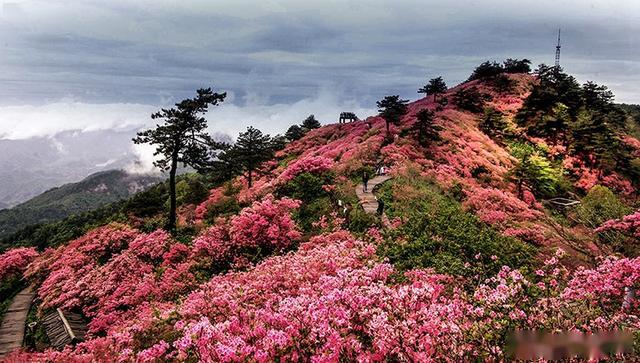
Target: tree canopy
(310, 123)
(182, 138)
(392, 108)
(435, 87)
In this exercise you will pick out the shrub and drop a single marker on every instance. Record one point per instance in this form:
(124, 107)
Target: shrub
(486, 70)
(438, 233)
(309, 189)
(493, 123)
(599, 206)
(470, 99)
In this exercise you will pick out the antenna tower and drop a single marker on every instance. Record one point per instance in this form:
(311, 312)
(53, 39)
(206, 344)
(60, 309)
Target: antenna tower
(558, 50)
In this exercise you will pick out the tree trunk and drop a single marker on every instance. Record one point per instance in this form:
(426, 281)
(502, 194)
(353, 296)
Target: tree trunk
(434, 97)
(387, 122)
(171, 223)
(249, 179)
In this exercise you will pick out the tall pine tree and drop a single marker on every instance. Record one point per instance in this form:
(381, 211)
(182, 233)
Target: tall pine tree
(182, 139)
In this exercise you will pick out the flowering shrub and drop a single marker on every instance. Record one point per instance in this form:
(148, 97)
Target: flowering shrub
(310, 164)
(15, 261)
(495, 206)
(629, 225)
(263, 227)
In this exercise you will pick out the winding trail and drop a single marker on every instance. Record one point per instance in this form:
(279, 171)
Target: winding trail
(13, 324)
(368, 200)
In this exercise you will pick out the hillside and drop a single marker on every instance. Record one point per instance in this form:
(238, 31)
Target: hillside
(92, 192)
(471, 245)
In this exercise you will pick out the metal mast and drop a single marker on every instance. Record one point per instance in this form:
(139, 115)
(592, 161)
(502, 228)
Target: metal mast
(558, 50)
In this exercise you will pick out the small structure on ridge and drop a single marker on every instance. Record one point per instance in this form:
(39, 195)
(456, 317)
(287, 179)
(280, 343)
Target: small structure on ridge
(347, 116)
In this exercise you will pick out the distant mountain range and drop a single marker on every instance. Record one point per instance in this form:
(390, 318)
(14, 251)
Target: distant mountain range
(31, 166)
(92, 192)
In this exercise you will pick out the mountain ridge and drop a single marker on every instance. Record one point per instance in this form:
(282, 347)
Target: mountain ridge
(95, 190)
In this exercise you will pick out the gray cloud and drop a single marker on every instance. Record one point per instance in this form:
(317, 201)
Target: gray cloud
(156, 52)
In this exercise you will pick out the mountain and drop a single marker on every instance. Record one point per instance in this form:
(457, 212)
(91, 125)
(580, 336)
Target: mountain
(92, 192)
(506, 206)
(31, 166)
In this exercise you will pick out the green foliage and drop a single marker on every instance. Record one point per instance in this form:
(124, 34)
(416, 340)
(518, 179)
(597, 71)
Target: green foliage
(494, 124)
(392, 108)
(435, 87)
(294, 133)
(9, 288)
(632, 123)
(503, 83)
(182, 138)
(598, 206)
(250, 150)
(35, 338)
(55, 204)
(535, 172)
(470, 99)
(310, 123)
(149, 205)
(437, 233)
(486, 70)
(191, 189)
(517, 65)
(316, 202)
(490, 70)
(424, 129)
(583, 117)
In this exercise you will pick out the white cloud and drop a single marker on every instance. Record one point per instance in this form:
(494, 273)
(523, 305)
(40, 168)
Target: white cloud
(27, 121)
(49, 120)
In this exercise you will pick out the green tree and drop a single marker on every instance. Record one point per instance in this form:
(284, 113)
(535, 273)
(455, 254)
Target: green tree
(435, 87)
(517, 65)
(597, 97)
(181, 139)
(310, 123)
(250, 150)
(424, 128)
(534, 172)
(392, 108)
(486, 70)
(294, 133)
(470, 99)
(493, 123)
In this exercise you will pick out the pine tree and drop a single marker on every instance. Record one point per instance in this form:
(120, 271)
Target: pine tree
(250, 150)
(435, 87)
(294, 133)
(392, 108)
(182, 139)
(424, 128)
(493, 123)
(310, 123)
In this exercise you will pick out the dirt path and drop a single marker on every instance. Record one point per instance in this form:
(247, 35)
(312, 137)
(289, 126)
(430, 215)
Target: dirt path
(12, 329)
(367, 199)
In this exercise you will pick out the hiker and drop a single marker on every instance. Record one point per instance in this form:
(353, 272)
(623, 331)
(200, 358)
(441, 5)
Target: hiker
(380, 207)
(365, 181)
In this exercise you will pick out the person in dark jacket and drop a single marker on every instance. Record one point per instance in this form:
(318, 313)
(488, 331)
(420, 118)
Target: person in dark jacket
(380, 206)
(365, 181)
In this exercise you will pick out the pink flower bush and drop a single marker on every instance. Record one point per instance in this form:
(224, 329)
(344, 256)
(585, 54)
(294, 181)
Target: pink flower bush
(215, 196)
(495, 206)
(266, 224)
(629, 225)
(310, 164)
(15, 261)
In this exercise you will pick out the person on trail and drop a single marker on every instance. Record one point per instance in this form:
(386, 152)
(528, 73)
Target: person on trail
(365, 181)
(380, 207)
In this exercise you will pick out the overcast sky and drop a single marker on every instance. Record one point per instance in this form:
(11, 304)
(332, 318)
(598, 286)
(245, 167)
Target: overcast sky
(90, 65)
